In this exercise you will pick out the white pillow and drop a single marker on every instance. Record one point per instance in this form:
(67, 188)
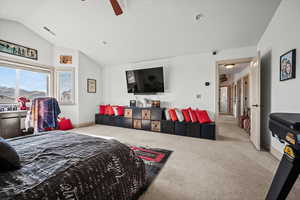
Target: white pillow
(167, 114)
(179, 115)
(115, 108)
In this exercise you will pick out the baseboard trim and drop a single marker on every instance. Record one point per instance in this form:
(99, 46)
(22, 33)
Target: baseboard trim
(81, 125)
(277, 154)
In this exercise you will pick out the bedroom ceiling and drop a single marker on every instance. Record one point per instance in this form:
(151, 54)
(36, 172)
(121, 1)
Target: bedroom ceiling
(148, 29)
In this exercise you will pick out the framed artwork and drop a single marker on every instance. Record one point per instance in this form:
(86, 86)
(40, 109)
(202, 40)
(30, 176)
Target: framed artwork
(65, 59)
(18, 50)
(91, 86)
(65, 84)
(288, 65)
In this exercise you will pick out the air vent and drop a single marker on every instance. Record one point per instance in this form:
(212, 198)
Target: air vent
(48, 30)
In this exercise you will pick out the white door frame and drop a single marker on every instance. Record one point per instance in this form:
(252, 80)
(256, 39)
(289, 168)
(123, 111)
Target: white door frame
(224, 62)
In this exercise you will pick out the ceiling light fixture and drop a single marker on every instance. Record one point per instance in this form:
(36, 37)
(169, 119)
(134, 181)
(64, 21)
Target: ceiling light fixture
(48, 30)
(229, 66)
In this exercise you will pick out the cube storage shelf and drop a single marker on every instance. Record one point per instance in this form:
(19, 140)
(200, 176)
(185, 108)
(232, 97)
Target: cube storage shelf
(153, 119)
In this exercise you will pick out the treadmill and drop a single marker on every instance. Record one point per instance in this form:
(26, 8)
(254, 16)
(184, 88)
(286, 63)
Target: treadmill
(286, 128)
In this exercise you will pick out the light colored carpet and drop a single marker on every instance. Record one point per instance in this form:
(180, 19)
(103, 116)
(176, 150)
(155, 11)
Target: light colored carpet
(229, 168)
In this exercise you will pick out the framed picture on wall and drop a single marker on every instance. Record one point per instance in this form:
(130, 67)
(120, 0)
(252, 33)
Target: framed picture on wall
(91, 86)
(65, 59)
(288, 65)
(18, 50)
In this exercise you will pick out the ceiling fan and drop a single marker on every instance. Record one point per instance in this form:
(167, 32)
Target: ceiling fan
(116, 7)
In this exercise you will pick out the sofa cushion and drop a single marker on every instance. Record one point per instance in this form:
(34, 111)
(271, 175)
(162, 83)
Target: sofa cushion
(106, 110)
(9, 158)
(121, 110)
(102, 109)
(110, 110)
(167, 114)
(179, 115)
(115, 109)
(173, 115)
(186, 115)
(203, 117)
(193, 115)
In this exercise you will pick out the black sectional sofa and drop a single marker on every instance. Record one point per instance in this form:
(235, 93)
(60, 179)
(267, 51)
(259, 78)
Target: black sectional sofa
(153, 119)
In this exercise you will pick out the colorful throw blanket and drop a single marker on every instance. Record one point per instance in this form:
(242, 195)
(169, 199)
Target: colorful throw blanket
(44, 114)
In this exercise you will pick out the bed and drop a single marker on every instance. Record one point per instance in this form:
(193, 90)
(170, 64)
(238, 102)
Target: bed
(70, 166)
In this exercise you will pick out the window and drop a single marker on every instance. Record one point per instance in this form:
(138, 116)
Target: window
(65, 86)
(33, 84)
(8, 85)
(16, 82)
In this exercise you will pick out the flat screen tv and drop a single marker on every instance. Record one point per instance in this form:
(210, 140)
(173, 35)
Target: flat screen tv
(145, 80)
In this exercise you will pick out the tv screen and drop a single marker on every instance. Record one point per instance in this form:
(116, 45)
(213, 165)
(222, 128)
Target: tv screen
(145, 80)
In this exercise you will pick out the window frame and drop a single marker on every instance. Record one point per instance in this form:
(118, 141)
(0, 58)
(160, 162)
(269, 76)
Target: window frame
(29, 67)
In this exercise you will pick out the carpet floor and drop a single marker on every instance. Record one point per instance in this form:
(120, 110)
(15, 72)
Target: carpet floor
(228, 168)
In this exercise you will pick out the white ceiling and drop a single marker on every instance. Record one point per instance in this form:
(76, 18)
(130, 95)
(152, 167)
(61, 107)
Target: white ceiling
(149, 28)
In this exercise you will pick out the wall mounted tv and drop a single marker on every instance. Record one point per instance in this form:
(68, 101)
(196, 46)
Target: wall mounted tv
(145, 80)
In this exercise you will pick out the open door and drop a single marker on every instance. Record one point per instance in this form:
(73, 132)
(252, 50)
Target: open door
(255, 104)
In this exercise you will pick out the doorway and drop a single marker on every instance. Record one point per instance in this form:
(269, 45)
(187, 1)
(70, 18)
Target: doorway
(240, 80)
(233, 98)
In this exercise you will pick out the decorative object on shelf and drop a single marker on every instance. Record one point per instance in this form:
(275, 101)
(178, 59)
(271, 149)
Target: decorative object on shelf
(147, 102)
(155, 103)
(22, 103)
(91, 85)
(63, 59)
(288, 65)
(132, 103)
(18, 50)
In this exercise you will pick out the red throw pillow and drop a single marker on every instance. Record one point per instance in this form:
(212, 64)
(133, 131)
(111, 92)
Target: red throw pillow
(186, 115)
(110, 110)
(106, 110)
(65, 124)
(193, 115)
(173, 115)
(203, 117)
(102, 109)
(121, 110)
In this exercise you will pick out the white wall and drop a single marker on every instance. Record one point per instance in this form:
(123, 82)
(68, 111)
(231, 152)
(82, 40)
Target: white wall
(17, 33)
(282, 35)
(185, 77)
(88, 102)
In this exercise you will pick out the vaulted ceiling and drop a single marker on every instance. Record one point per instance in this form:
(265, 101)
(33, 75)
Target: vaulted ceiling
(148, 29)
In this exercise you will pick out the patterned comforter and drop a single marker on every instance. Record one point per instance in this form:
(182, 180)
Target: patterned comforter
(70, 166)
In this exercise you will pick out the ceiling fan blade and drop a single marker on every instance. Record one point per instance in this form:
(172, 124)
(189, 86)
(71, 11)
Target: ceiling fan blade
(116, 6)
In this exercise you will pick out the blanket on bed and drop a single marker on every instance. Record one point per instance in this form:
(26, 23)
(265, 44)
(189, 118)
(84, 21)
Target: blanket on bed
(69, 166)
